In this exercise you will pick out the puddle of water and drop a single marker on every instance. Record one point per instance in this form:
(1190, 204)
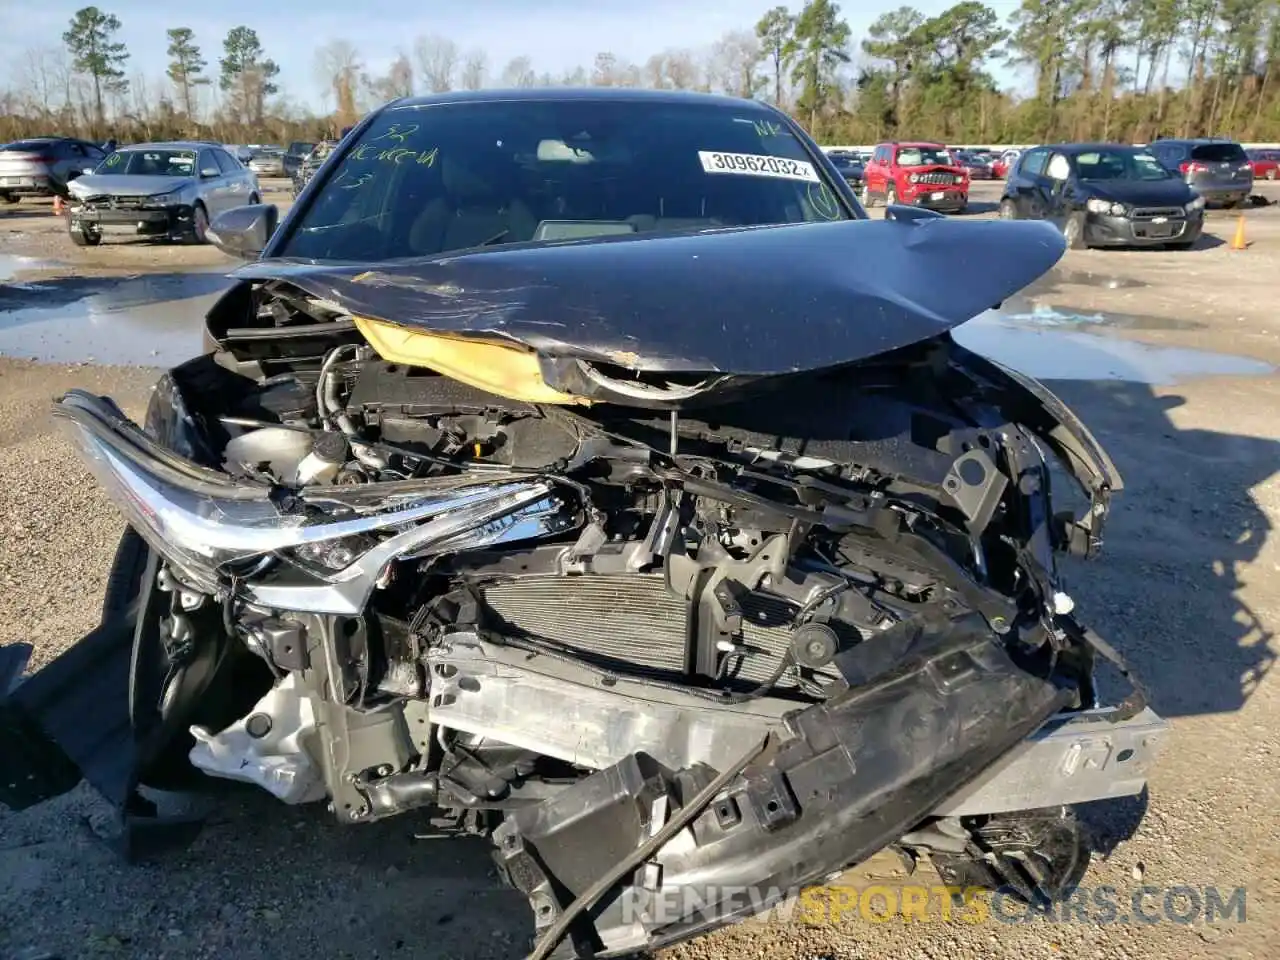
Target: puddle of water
(1060, 354)
(1025, 310)
(11, 265)
(1086, 278)
(142, 320)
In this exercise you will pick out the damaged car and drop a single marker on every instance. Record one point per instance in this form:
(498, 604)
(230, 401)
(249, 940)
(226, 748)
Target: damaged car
(587, 469)
(169, 190)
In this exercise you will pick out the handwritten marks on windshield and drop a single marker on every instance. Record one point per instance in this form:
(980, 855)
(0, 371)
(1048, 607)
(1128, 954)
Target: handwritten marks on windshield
(386, 148)
(767, 128)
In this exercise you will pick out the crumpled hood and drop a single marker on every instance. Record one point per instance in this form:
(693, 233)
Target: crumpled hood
(124, 185)
(758, 301)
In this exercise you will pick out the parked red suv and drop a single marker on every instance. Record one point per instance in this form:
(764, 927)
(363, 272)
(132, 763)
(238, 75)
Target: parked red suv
(1265, 163)
(921, 174)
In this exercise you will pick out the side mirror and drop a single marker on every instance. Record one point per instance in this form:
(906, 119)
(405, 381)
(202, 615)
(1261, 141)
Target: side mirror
(208, 173)
(244, 231)
(88, 170)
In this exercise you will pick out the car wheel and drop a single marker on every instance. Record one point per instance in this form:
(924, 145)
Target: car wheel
(83, 236)
(199, 224)
(1271, 174)
(1008, 210)
(864, 195)
(14, 198)
(890, 195)
(254, 199)
(1073, 231)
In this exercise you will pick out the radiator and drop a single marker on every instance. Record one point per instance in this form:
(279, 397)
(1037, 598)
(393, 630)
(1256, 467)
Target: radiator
(633, 619)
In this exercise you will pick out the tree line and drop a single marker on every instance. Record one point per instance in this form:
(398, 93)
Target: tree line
(1126, 70)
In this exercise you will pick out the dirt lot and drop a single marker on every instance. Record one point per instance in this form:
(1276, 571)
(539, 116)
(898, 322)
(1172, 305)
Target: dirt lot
(1188, 588)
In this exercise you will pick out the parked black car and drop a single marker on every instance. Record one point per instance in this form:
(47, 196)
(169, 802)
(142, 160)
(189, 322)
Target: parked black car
(1219, 170)
(293, 157)
(1103, 194)
(850, 167)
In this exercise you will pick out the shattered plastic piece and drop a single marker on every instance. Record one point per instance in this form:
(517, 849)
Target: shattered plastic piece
(275, 761)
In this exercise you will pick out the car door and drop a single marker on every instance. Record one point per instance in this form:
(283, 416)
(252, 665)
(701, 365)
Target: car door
(1028, 194)
(1057, 188)
(73, 158)
(235, 190)
(213, 189)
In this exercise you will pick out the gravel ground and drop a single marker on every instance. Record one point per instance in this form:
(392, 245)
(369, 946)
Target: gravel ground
(1188, 588)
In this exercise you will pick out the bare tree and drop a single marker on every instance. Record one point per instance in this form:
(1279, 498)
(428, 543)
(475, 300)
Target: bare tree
(437, 61)
(338, 66)
(475, 65)
(654, 72)
(736, 60)
(577, 77)
(606, 70)
(396, 83)
(519, 73)
(683, 72)
(40, 78)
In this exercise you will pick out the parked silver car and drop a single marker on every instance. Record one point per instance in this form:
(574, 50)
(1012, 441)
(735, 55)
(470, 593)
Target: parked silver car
(268, 163)
(159, 189)
(43, 166)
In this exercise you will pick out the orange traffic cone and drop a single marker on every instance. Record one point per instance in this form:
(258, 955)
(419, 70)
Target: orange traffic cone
(1238, 242)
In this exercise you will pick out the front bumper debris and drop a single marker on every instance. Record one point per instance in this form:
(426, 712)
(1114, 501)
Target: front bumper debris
(144, 221)
(844, 779)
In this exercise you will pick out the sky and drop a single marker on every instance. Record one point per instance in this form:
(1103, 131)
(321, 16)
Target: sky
(557, 35)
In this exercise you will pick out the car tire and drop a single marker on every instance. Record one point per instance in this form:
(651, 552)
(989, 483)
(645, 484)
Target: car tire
(1271, 174)
(85, 236)
(864, 195)
(1008, 210)
(125, 576)
(10, 197)
(890, 195)
(199, 225)
(254, 199)
(1073, 232)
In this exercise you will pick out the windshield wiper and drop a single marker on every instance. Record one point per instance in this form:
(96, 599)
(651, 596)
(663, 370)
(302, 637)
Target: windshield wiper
(494, 239)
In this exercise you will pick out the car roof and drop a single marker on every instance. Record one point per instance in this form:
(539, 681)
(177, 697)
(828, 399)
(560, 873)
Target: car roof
(912, 143)
(617, 94)
(1192, 140)
(1085, 147)
(169, 145)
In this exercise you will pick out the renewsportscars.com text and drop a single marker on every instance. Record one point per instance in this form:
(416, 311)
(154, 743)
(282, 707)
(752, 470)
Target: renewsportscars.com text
(916, 903)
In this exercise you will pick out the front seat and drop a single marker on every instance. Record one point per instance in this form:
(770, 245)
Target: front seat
(473, 210)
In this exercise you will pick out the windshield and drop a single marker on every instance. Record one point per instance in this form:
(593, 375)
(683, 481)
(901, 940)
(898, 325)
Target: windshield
(921, 156)
(1119, 165)
(426, 179)
(150, 163)
(1219, 153)
(300, 148)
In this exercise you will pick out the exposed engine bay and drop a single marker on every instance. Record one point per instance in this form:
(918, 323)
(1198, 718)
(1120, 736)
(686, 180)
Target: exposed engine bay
(669, 639)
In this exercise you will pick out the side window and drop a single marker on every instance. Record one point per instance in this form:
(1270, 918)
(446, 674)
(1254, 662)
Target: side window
(1170, 155)
(225, 161)
(207, 162)
(76, 150)
(882, 155)
(1033, 162)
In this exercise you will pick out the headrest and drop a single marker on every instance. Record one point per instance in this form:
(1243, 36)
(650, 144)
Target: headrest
(470, 181)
